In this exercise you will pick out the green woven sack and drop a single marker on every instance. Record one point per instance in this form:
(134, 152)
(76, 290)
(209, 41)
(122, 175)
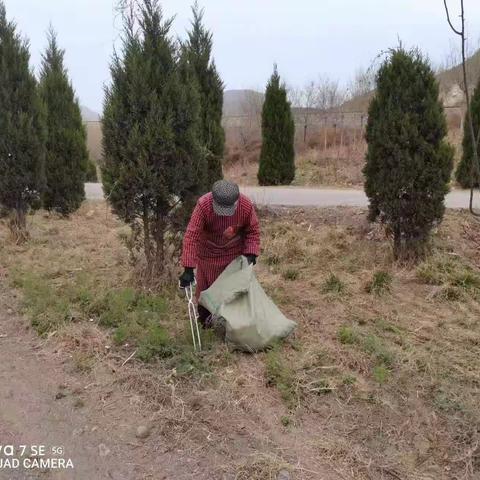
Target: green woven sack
(252, 321)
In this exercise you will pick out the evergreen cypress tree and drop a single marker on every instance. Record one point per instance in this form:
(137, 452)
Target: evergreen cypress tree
(277, 157)
(464, 173)
(198, 51)
(153, 165)
(408, 162)
(67, 156)
(22, 130)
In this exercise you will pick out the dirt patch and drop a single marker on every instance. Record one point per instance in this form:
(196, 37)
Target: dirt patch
(46, 401)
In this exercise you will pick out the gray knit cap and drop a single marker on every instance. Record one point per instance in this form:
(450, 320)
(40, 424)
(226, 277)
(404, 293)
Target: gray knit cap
(225, 197)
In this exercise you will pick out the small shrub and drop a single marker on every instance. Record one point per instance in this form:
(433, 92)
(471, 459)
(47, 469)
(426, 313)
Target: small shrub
(347, 335)
(333, 285)
(91, 174)
(137, 319)
(435, 271)
(380, 283)
(272, 259)
(386, 326)
(114, 306)
(155, 342)
(83, 362)
(285, 421)
(380, 374)
(80, 295)
(188, 364)
(454, 277)
(445, 402)
(467, 280)
(126, 331)
(279, 374)
(451, 294)
(46, 308)
(349, 380)
(290, 274)
(374, 346)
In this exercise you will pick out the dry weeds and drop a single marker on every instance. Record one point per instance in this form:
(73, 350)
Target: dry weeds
(325, 159)
(380, 381)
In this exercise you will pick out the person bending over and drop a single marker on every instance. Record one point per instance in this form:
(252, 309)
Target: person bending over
(223, 226)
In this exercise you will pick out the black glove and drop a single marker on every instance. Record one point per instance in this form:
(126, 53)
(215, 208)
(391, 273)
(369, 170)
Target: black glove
(251, 259)
(187, 277)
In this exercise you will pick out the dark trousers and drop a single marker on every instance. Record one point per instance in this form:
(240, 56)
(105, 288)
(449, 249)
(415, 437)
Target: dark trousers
(203, 315)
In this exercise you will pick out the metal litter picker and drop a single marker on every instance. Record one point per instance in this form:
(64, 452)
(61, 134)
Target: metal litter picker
(193, 314)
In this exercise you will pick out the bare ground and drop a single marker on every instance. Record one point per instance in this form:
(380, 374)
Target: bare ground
(44, 401)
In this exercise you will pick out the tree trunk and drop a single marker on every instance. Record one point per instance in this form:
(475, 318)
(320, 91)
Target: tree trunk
(408, 249)
(17, 224)
(159, 239)
(147, 244)
(325, 135)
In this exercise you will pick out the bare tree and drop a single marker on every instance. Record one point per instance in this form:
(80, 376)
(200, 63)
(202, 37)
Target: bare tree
(306, 101)
(321, 95)
(363, 81)
(330, 94)
(252, 103)
(475, 139)
(251, 110)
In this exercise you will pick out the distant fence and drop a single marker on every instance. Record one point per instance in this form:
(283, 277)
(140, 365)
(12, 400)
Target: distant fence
(315, 126)
(311, 128)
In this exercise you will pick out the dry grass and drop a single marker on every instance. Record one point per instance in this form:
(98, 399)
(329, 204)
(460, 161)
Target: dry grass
(411, 352)
(380, 381)
(335, 166)
(261, 467)
(339, 164)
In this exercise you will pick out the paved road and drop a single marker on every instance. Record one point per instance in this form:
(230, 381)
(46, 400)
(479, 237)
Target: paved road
(302, 197)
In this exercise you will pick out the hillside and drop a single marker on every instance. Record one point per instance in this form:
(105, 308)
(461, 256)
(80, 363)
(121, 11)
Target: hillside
(451, 76)
(449, 79)
(242, 102)
(88, 114)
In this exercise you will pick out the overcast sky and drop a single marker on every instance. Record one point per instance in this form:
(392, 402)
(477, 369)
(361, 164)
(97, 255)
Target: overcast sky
(307, 38)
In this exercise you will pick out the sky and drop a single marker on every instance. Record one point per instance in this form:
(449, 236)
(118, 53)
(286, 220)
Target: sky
(306, 38)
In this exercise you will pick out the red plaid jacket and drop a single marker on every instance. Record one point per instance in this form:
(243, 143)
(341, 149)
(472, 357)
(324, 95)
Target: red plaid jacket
(210, 236)
(212, 241)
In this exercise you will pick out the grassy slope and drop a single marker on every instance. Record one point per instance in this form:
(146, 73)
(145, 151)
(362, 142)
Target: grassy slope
(381, 380)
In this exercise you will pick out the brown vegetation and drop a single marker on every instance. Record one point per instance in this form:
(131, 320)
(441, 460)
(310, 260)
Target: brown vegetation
(380, 380)
(327, 157)
(332, 156)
